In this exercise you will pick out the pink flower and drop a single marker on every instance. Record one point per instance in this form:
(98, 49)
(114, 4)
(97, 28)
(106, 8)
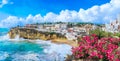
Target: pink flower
(91, 47)
(100, 56)
(117, 60)
(94, 35)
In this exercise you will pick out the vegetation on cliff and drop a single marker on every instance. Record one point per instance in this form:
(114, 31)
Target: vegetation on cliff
(34, 34)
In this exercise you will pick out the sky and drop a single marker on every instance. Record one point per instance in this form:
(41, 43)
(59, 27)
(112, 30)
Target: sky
(21, 12)
(23, 8)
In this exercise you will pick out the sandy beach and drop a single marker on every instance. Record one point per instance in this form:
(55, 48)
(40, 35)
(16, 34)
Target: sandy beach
(63, 41)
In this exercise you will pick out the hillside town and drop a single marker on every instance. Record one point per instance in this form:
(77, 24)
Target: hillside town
(74, 30)
(70, 30)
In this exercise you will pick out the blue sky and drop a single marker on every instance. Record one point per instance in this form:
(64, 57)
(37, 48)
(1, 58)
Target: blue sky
(23, 8)
(21, 12)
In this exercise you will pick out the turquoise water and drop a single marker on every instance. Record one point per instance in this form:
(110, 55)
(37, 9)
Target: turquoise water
(3, 31)
(8, 48)
(22, 50)
(19, 47)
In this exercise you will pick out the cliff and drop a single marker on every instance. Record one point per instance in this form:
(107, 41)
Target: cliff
(28, 33)
(33, 34)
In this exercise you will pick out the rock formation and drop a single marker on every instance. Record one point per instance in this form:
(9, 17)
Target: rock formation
(28, 33)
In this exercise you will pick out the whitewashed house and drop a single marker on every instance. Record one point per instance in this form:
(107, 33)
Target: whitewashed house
(114, 26)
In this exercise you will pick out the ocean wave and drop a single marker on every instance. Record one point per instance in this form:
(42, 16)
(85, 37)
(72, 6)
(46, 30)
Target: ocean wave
(7, 38)
(35, 57)
(3, 55)
(60, 51)
(4, 37)
(30, 56)
(52, 51)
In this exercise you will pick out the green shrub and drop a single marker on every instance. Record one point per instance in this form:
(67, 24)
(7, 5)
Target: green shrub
(101, 33)
(117, 34)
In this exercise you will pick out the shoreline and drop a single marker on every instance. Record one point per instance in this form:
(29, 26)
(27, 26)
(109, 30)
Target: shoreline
(69, 42)
(32, 34)
(56, 41)
(49, 48)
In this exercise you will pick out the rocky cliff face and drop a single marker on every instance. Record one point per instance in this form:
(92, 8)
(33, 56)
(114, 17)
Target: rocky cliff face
(34, 34)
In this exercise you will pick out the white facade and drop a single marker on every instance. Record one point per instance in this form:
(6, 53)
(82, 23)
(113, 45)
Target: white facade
(64, 26)
(71, 36)
(113, 26)
(57, 26)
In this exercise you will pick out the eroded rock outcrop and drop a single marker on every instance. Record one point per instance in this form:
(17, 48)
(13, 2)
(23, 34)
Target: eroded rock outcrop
(28, 33)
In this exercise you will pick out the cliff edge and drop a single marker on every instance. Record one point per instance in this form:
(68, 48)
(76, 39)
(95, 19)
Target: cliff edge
(29, 33)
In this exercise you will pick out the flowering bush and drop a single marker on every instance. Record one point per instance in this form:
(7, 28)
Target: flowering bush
(90, 47)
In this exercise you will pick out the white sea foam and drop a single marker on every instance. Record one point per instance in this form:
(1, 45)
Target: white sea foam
(3, 55)
(37, 57)
(4, 37)
(17, 39)
(7, 38)
(25, 57)
(60, 50)
(53, 51)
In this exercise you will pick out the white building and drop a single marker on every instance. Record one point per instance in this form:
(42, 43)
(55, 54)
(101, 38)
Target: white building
(113, 26)
(71, 36)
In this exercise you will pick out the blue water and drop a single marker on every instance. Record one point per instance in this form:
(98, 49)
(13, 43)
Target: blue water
(8, 49)
(23, 50)
(18, 47)
(3, 31)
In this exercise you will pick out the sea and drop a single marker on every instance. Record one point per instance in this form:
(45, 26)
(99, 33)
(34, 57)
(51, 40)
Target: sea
(20, 49)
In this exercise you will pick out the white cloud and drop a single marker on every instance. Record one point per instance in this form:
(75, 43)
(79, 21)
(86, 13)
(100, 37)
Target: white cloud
(102, 13)
(13, 21)
(98, 14)
(50, 17)
(67, 16)
(4, 2)
(33, 19)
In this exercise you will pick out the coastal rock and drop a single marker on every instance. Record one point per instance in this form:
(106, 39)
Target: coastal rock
(28, 33)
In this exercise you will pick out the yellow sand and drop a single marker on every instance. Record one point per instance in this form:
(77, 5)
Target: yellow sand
(64, 41)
